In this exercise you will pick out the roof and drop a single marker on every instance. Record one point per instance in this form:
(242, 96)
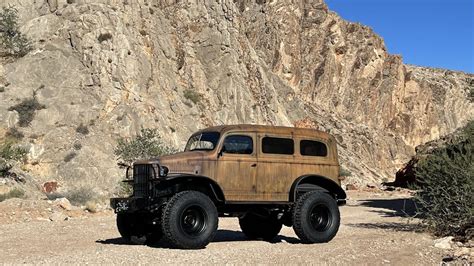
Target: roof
(268, 129)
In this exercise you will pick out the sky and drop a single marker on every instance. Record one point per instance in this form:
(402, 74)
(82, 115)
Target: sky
(434, 33)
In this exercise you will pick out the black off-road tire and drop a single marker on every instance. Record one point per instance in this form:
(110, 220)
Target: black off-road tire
(255, 226)
(126, 225)
(316, 217)
(189, 220)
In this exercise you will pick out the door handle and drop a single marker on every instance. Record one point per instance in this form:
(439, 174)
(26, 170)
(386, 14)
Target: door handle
(253, 165)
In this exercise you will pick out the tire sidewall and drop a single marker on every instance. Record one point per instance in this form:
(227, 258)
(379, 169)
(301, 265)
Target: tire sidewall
(125, 225)
(174, 210)
(302, 223)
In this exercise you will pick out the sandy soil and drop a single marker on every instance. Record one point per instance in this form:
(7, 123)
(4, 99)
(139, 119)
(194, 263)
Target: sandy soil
(372, 232)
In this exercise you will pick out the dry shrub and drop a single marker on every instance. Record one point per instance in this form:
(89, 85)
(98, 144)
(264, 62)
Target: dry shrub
(445, 190)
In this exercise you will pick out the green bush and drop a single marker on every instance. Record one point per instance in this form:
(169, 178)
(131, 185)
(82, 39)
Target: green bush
(5, 167)
(192, 96)
(146, 144)
(80, 196)
(445, 187)
(9, 154)
(344, 172)
(14, 193)
(77, 196)
(14, 133)
(84, 130)
(69, 157)
(9, 151)
(12, 40)
(26, 110)
(104, 37)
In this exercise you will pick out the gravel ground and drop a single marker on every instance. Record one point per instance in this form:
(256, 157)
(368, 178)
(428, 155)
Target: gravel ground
(372, 232)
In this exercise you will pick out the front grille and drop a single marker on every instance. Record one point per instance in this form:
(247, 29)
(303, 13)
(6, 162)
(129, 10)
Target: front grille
(142, 173)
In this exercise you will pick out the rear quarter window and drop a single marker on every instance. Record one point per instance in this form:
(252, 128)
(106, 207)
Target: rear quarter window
(313, 148)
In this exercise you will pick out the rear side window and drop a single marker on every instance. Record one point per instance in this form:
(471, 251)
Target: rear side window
(278, 145)
(238, 144)
(313, 148)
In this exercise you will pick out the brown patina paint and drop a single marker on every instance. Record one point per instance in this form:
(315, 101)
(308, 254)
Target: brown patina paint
(258, 176)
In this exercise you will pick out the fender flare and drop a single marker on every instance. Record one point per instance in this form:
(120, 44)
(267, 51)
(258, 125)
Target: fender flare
(215, 188)
(321, 183)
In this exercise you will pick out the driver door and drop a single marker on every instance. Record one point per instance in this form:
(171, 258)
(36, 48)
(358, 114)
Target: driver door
(237, 166)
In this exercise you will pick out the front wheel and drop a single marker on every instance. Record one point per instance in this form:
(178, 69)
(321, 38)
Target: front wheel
(316, 217)
(128, 225)
(189, 220)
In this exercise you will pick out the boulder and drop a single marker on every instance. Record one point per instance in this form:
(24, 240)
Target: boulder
(64, 203)
(50, 187)
(351, 187)
(58, 216)
(444, 243)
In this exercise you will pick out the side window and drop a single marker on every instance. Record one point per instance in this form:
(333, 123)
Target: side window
(278, 145)
(313, 148)
(238, 144)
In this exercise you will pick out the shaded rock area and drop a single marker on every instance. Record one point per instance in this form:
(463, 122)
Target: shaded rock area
(101, 70)
(406, 176)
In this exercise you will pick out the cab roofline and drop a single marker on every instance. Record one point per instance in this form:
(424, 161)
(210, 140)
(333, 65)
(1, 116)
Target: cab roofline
(266, 129)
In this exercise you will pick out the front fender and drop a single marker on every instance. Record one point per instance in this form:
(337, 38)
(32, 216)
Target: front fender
(189, 180)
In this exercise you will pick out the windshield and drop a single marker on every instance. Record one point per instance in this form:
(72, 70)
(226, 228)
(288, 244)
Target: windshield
(206, 141)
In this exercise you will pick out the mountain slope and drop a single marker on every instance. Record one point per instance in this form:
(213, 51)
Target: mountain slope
(116, 66)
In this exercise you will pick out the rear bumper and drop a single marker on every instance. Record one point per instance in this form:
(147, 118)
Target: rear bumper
(128, 205)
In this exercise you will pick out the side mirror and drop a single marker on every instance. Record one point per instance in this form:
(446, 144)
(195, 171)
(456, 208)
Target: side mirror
(163, 171)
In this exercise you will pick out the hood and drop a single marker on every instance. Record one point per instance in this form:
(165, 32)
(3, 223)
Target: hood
(183, 162)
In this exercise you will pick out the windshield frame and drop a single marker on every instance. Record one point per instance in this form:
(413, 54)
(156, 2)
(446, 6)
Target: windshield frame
(214, 142)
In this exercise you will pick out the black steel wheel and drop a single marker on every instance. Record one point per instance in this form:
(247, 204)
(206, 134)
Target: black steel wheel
(316, 217)
(320, 217)
(194, 220)
(189, 220)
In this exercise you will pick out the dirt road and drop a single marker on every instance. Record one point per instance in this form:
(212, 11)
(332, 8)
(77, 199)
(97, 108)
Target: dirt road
(372, 232)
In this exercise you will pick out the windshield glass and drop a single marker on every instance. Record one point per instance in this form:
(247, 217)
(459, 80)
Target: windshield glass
(206, 141)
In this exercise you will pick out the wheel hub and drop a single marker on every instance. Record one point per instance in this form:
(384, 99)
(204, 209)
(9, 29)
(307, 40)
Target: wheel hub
(193, 220)
(320, 218)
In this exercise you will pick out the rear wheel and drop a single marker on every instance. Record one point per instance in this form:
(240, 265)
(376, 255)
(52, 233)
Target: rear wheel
(256, 226)
(316, 217)
(189, 220)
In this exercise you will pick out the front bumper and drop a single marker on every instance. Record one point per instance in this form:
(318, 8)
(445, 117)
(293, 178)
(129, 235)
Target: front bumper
(341, 202)
(128, 205)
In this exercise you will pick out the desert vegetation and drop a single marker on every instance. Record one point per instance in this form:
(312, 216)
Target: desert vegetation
(14, 193)
(193, 96)
(27, 110)
(10, 153)
(146, 144)
(78, 196)
(445, 187)
(13, 42)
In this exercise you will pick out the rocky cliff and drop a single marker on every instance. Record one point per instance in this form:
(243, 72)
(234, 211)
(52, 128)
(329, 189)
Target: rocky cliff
(103, 69)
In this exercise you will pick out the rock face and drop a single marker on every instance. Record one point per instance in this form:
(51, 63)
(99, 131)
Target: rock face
(112, 67)
(406, 176)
